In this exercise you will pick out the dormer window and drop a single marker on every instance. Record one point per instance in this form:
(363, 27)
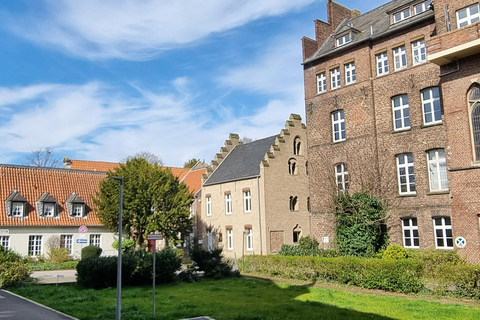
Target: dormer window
(75, 206)
(47, 206)
(15, 205)
(343, 40)
(421, 7)
(401, 15)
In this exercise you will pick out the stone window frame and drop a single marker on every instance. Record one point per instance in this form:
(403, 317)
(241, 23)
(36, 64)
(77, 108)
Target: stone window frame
(443, 232)
(229, 238)
(406, 174)
(437, 170)
(247, 200)
(350, 73)
(410, 235)
(297, 146)
(400, 58)
(228, 203)
(338, 126)
(293, 203)
(401, 113)
(381, 63)
(248, 238)
(296, 234)
(434, 103)
(208, 205)
(419, 52)
(293, 166)
(469, 17)
(335, 78)
(321, 82)
(341, 177)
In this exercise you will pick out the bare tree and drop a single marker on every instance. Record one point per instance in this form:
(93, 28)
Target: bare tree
(246, 139)
(43, 158)
(150, 157)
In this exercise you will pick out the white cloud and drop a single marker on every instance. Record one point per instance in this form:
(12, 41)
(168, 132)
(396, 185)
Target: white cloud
(137, 30)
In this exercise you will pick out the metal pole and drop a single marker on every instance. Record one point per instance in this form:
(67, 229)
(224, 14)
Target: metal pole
(154, 254)
(119, 259)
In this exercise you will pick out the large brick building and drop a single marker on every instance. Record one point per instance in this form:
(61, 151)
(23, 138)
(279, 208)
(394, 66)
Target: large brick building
(382, 115)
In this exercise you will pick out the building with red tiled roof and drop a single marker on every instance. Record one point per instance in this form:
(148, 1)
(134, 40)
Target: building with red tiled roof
(47, 203)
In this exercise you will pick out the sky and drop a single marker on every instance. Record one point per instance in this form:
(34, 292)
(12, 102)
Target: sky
(104, 80)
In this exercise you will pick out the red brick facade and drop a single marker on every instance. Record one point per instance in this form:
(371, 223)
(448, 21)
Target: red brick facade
(372, 143)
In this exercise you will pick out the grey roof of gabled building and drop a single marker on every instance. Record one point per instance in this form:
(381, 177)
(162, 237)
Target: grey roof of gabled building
(369, 26)
(243, 162)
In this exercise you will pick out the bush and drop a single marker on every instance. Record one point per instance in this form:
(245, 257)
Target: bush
(212, 263)
(461, 281)
(13, 269)
(91, 251)
(58, 255)
(394, 251)
(308, 243)
(137, 269)
(292, 250)
(127, 245)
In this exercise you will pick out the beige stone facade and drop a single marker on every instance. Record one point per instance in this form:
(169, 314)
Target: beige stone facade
(255, 195)
(402, 126)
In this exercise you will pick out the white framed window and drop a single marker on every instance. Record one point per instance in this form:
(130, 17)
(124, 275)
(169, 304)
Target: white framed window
(249, 239)
(335, 80)
(400, 58)
(402, 15)
(78, 209)
(421, 7)
(338, 125)
(49, 210)
(5, 241)
(18, 209)
(228, 203)
(401, 113)
(208, 205)
(341, 177)
(321, 82)
(410, 233)
(343, 40)
(406, 174)
(432, 108)
(34, 245)
(419, 52)
(437, 170)
(66, 241)
(247, 201)
(95, 240)
(382, 63)
(443, 232)
(468, 15)
(230, 239)
(350, 74)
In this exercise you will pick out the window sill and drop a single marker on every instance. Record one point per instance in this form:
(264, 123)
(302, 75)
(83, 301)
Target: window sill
(382, 75)
(338, 141)
(435, 124)
(406, 195)
(402, 130)
(401, 69)
(433, 193)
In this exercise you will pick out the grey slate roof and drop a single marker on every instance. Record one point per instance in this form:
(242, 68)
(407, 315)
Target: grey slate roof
(370, 25)
(243, 162)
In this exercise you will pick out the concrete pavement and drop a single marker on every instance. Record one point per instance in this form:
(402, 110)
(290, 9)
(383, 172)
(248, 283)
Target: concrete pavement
(55, 276)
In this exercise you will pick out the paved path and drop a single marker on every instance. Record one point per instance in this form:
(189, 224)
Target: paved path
(13, 307)
(55, 276)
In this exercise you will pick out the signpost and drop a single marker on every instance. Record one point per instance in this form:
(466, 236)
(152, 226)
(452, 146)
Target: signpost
(154, 237)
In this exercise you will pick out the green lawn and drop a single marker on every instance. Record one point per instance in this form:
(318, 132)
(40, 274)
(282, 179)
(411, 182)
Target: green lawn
(241, 298)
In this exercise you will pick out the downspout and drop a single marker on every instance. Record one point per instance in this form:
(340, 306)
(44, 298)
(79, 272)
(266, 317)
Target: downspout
(259, 215)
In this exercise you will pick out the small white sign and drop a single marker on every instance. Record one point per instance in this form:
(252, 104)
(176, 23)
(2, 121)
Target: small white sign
(155, 237)
(4, 231)
(325, 239)
(460, 242)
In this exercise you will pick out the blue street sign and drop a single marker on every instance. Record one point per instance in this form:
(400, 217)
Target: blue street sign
(82, 241)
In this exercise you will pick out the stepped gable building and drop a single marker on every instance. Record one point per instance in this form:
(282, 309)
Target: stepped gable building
(255, 195)
(42, 206)
(392, 105)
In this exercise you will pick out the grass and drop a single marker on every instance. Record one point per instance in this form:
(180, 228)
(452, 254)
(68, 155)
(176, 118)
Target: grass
(241, 299)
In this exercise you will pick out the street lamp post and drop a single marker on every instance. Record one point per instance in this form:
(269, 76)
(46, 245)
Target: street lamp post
(119, 259)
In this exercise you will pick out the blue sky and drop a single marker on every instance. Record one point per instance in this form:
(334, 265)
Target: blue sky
(102, 80)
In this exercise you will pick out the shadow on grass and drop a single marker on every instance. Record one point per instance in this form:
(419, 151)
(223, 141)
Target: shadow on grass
(227, 299)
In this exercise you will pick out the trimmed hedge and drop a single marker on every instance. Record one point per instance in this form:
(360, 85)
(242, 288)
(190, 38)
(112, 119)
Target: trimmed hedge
(91, 251)
(391, 275)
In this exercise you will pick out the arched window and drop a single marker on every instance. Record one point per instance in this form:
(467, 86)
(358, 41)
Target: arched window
(474, 104)
(297, 146)
(292, 166)
(293, 203)
(297, 232)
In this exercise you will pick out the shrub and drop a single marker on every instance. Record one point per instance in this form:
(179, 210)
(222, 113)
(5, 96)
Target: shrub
(292, 250)
(308, 243)
(91, 251)
(212, 263)
(13, 269)
(97, 272)
(394, 251)
(58, 255)
(127, 245)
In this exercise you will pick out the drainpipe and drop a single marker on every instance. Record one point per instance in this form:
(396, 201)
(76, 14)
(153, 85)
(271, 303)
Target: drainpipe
(259, 216)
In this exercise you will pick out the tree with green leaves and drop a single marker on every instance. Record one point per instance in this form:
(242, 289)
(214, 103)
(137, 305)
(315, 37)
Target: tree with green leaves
(153, 200)
(361, 224)
(190, 163)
